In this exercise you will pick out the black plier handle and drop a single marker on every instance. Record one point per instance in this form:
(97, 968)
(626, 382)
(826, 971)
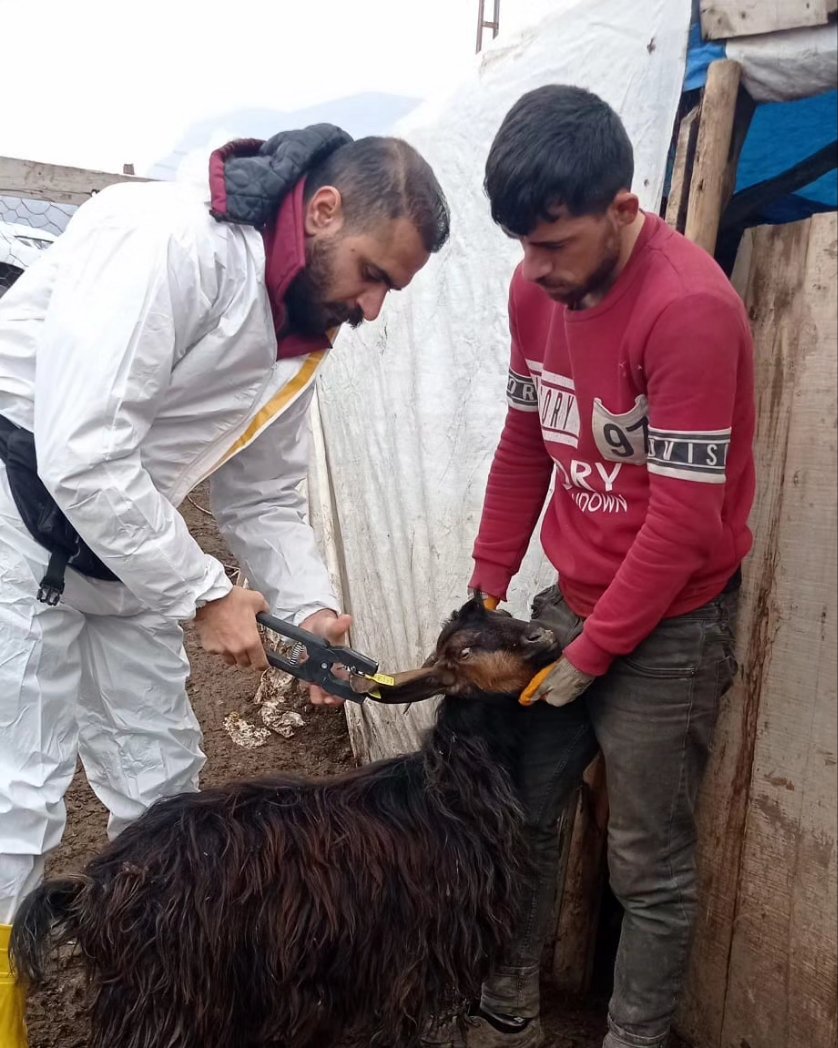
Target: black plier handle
(322, 657)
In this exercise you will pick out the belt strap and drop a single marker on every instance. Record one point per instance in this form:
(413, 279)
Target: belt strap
(52, 584)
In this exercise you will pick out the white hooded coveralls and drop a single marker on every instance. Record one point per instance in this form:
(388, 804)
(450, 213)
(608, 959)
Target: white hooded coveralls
(140, 350)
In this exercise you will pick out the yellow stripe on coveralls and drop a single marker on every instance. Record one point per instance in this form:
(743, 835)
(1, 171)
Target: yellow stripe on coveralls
(278, 403)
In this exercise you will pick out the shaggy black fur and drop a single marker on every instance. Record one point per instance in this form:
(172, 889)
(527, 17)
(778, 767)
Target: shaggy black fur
(290, 913)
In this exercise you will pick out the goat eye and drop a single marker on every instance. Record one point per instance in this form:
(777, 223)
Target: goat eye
(465, 653)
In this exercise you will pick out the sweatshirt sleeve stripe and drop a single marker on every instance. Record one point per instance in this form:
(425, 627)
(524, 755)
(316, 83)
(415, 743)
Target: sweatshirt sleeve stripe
(521, 392)
(688, 455)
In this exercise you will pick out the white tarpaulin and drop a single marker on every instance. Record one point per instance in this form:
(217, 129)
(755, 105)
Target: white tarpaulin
(796, 63)
(413, 404)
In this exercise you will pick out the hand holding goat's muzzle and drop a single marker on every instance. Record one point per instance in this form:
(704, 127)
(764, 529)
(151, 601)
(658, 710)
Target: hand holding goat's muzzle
(557, 684)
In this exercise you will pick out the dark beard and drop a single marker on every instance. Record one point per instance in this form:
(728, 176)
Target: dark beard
(600, 281)
(308, 310)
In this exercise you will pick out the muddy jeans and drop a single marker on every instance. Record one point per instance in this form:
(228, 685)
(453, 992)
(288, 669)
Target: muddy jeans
(652, 716)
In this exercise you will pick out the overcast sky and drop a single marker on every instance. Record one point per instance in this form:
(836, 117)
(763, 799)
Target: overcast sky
(99, 83)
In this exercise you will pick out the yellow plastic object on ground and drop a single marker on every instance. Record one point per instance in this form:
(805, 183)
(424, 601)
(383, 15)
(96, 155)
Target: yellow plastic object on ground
(12, 999)
(526, 698)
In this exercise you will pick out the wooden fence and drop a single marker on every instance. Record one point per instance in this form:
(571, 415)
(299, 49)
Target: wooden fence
(763, 969)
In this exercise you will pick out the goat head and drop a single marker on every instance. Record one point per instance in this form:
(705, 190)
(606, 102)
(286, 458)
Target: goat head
(478, 652)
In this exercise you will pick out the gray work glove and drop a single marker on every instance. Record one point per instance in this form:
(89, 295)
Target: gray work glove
(557, 685)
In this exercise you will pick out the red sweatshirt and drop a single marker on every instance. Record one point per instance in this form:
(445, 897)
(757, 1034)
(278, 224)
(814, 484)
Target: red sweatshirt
(643, 407)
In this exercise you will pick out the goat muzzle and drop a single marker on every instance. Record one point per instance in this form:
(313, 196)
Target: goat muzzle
(538, 640)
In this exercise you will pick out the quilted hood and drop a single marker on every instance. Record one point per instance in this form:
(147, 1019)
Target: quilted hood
(249, 178)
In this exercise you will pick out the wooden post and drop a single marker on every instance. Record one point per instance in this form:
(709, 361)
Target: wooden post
(711, 183)
(679, 189)
(583, 884)
(53, 182)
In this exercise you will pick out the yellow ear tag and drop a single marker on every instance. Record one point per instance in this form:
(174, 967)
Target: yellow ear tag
(373, 678)
(527, 695)
(490, 603)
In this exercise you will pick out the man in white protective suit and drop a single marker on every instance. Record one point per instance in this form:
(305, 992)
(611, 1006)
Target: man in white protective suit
(168, 336)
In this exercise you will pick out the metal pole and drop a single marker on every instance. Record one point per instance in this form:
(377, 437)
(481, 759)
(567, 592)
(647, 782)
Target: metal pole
(482, 24)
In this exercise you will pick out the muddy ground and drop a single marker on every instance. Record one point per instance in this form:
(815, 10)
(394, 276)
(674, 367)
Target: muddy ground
(321, 746)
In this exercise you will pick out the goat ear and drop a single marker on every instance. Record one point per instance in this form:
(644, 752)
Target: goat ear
(473, 611)
(415, 685)
(473, 608)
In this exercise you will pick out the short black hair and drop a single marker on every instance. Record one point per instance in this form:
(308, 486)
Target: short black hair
(557, 146)
(385, 178)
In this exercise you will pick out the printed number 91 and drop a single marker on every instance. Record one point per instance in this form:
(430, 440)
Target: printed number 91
(625, 442)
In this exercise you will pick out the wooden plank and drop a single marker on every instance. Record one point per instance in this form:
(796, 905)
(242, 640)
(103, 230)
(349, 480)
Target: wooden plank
(583, 885)
(710, 183)
(723, 806)
(60, 185)
(731, 976)
(723, 19)
(679, 189)
(783, 971)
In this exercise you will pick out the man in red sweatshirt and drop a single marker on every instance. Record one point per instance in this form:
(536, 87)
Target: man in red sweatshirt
(631, 389)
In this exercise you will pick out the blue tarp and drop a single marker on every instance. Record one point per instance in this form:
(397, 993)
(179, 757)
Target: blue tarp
(781, 135)
(700, 53)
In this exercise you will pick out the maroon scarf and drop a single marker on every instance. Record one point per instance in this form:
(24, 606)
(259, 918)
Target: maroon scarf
(285, 258)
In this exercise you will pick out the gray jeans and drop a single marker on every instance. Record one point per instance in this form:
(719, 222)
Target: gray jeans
(652, 716)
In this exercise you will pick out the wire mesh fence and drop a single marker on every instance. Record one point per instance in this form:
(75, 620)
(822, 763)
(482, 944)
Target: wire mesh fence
(27, 228)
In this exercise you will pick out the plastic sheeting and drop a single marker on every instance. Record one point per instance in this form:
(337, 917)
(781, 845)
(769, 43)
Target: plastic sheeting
(793, 76)
(412, 405)
(778, 67)
(781, 135)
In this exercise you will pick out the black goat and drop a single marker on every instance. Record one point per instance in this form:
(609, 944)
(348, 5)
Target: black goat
(289, 913)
